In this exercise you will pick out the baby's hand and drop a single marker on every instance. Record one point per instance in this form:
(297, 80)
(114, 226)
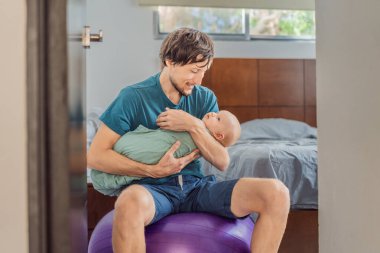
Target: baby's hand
(176, 120)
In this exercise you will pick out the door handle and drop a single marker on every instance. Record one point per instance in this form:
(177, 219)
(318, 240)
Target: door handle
(88, 37)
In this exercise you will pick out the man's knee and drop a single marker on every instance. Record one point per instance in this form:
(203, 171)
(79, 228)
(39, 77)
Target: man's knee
(277, 198)
(133, 202)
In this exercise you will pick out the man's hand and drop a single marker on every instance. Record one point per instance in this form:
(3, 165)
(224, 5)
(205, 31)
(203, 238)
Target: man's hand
(177, 120)
(169, 165)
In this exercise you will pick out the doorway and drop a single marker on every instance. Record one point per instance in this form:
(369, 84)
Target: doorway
(56, 131)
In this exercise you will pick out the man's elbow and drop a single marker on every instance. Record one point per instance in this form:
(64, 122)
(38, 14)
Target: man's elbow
(91, 159)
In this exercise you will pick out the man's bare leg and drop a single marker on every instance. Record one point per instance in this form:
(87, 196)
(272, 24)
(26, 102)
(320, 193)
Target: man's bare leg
(134, 209)
(269, 198)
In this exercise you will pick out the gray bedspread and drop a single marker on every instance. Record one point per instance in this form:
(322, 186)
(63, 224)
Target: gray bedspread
(294, 162)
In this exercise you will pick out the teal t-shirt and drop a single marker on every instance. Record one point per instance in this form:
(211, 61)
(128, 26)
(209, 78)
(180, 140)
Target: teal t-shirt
(141, 103)
(142, 145)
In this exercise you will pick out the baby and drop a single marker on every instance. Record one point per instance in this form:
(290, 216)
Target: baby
(149, 146)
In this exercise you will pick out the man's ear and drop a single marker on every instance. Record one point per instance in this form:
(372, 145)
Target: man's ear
(218, 136)
(169, 62)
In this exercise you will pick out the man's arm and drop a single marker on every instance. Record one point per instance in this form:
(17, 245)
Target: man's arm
(102, 157)
(211, 149)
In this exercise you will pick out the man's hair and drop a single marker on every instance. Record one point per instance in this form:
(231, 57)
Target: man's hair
(186, 45)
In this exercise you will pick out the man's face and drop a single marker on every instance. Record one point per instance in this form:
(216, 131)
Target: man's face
(183, 78)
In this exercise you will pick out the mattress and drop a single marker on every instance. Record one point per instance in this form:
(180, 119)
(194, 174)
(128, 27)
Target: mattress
(294, 162)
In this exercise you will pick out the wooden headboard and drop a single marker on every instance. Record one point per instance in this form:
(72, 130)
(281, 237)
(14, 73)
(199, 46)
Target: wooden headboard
(265, 88)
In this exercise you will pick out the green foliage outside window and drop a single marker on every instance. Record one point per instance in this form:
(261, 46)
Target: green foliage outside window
(209, 20)
(302, 23)
(282, 23)
(272, 23)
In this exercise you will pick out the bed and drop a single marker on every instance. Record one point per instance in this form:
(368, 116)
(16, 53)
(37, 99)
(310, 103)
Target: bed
(273, 88)
(276, 148)
(274, 99)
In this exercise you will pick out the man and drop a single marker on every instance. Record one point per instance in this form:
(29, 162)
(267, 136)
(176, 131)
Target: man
(177, 185)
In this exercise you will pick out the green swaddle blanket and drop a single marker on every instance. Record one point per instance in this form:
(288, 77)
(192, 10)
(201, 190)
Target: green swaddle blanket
(145, 146)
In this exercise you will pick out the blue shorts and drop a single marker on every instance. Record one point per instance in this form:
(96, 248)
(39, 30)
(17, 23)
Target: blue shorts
(192, 194)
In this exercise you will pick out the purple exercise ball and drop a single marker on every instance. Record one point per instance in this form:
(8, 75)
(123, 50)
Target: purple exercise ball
(183, 233)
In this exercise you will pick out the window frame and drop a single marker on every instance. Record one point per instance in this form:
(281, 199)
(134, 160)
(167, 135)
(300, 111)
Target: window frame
(246, 36)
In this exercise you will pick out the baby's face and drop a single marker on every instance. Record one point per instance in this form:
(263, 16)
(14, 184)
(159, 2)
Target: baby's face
(216, 121)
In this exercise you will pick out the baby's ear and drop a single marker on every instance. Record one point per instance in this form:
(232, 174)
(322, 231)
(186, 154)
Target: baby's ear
(218, 136)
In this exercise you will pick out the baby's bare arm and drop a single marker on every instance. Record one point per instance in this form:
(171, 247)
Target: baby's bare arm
(210, 149)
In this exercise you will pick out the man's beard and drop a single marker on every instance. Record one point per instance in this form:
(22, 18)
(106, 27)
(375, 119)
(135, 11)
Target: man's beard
(175, 85)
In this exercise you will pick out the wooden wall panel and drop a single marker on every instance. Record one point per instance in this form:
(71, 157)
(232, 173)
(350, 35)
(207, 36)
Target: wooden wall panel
(273, 87)
(243, 113)
(207, 79)
(310, 82)
(234, 81)
(281, 82)
(311, 115)
(301, 234)
(295, 113)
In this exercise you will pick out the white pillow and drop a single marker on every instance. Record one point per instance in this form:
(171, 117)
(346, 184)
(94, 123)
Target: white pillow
(93, 123)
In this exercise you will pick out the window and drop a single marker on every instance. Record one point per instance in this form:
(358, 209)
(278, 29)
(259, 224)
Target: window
(239, 24)
(296, 24)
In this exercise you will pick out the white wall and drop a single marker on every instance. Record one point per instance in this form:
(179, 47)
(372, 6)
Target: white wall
(13, 186)
(348, 101)
(130, 54)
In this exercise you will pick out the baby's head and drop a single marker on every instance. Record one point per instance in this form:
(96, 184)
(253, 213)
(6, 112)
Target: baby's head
(224, 126)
